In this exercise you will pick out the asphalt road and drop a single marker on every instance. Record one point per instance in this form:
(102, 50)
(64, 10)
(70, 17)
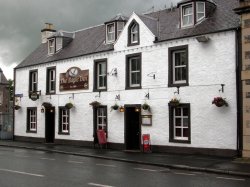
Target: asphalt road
(29, 168)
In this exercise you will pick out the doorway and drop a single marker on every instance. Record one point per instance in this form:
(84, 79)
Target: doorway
(132, 127)
(50, 125)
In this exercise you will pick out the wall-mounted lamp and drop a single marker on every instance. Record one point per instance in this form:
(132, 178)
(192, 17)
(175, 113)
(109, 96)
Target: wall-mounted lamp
(147, 95)
(202, 38)
(137, 109)
(42, 109)
(222, 88)
(113, 72)
(98, 95)
(152, 74)
(121, 109)
(117, 97)
(178, 90)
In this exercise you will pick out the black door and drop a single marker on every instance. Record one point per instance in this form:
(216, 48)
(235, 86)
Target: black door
(132, 127)
(50, 125)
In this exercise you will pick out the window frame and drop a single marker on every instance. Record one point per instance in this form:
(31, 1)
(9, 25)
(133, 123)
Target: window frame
(130, 42)
(182, 15)
(117, 26)
(112, 33)
(95, 120)
(171, 73)
(33, 82)
(51, 46)
(96, 74)
(29, 129)
(197, 12)
(128, 71)
(172, 126)
(61, 123)
(48, 82)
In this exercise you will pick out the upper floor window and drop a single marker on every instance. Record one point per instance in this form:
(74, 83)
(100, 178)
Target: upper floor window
(51, 80)
(120, 26)
(192, 13)
(100, 82)
(110, 32)
(33, 81)
(200, 11)
(133, 75)
(133, 34)
(64, 120)
(31, 120)
(51, 46)
(178, 66)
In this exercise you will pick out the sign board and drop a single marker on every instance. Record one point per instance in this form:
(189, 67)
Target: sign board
(34, 96)
(74, 79)
(146, 120)
(101, 135)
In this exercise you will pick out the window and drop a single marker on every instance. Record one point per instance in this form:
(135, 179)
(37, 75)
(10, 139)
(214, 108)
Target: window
(110, 32)
(187, 15)
(200, 11)
(51, 80)
(101, 118)
(100, 74)
(51, 46)
(133, 34)
(133, 75)
(33, 81)
(32, 120)
(64, 120)
(178, 66)
(179, 123)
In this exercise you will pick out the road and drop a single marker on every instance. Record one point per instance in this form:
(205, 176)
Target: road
(30, 168)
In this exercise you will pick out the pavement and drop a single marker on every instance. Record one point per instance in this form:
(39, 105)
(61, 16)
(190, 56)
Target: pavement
(200, 163)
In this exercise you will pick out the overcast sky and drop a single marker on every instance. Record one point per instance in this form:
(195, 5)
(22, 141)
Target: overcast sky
(22, 20)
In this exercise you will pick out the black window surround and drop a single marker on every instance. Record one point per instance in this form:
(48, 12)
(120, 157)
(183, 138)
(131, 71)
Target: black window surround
(62, 131)
(33, 80)
(171, 66)
(51, 81)
(128, 84)
(117, 30)
(172, 130)
(100, 80)
(132, 25)
(31, 126)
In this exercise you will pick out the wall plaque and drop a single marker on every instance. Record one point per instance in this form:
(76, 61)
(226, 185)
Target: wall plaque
(74, 79)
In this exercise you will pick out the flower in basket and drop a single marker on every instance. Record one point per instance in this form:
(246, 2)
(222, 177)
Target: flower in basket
(95, 104)
(219, 101)
(115, 107)
(69, 105)
(174, 102)
(145, 106)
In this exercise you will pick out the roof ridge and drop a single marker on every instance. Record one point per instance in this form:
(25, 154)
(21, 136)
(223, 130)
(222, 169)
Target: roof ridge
(147, 16)
(88, 28)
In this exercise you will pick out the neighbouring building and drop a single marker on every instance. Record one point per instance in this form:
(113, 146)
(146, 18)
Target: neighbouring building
(178, 61)
(244, 11)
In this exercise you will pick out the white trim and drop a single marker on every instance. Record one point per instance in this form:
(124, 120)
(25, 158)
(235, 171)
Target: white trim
(103, 64)
(102, 116)
(182, 8)
(133, 72)
(197, 12)
(65, 123)
(51, 46)
(181, 126)
(112, 33)
(179, 66)
(33, 119)
(52, 80)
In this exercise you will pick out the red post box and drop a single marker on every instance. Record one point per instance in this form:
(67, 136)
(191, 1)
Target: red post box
(146, 143)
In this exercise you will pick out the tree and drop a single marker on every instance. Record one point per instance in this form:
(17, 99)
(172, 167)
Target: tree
(11, 89)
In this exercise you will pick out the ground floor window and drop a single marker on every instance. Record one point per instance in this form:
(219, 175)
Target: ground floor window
(64, 122)
(179, 123)
(100, 121)
(32, 120)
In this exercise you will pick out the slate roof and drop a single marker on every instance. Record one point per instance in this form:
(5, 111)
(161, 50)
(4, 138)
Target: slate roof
(164, 24)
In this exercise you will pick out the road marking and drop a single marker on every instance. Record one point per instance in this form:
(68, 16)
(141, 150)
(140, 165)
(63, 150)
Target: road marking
(47, 158)
(227, 178)
(99, 185)
(106, 165)
(189, 174)
(145, 169)
(20, 172)
(75, 162)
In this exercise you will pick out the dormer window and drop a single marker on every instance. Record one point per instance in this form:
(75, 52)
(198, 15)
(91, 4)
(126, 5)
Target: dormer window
(133, 34)
(200, 11)
(51, 46)
(192, 13)
(110, 32)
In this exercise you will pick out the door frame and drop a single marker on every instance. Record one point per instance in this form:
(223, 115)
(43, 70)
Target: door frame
(125, 123)
(46, 124)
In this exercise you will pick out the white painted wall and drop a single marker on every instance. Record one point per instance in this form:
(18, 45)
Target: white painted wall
(210, 64)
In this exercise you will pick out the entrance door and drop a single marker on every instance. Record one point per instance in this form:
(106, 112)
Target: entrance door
(132, 127)
(50, 125)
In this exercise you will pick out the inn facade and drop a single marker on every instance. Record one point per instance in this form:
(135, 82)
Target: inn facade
(177, 61)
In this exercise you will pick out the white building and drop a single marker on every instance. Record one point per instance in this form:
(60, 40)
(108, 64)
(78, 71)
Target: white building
(187, 53)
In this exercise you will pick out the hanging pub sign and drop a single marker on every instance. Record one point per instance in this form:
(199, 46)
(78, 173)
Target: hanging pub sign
(34, 95)
(74, 79)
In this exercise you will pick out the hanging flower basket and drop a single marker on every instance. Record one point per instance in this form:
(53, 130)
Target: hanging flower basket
(17, 107)
(69, 105)
(115, 107)
(174, 102)
(219, 102)
(145, 106)
(95, 104)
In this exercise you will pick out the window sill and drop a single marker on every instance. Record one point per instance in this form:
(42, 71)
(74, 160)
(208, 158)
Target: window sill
(178, 85)
(133, 44)
(34, 132)
(100, 90)
(48, 93)
(63, 133)
(180, 141)
(133, 88)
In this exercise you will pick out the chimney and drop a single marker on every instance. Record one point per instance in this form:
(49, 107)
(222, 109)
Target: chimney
(47, 32)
